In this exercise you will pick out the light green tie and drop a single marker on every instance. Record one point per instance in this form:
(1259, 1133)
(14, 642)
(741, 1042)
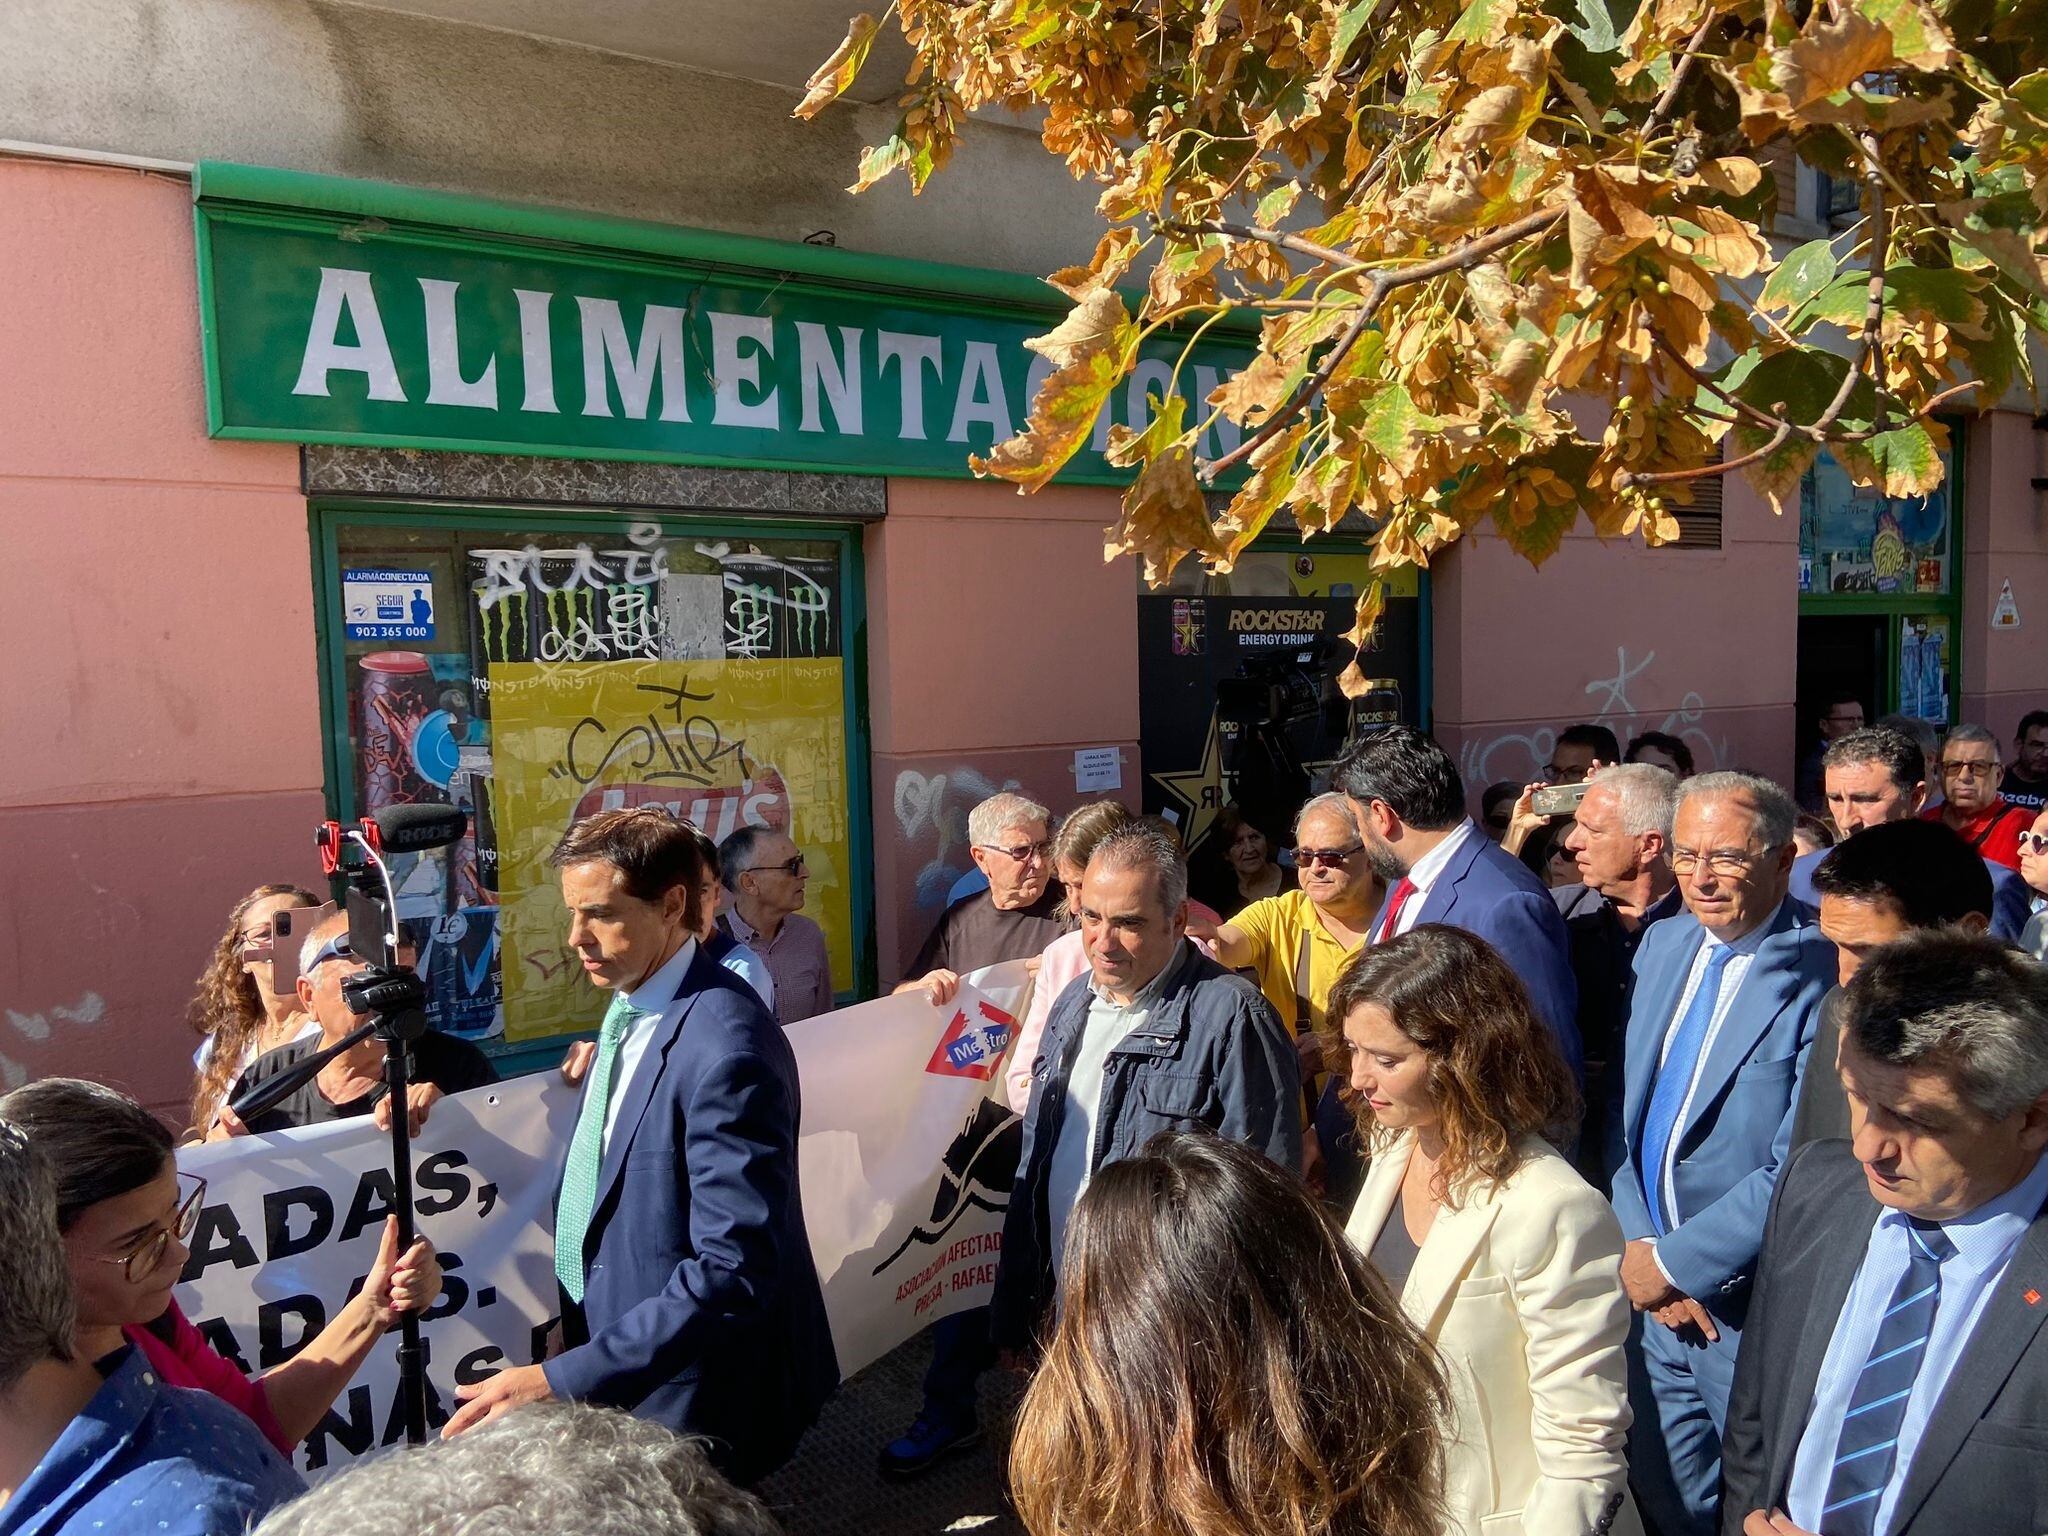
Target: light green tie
(586, 1149)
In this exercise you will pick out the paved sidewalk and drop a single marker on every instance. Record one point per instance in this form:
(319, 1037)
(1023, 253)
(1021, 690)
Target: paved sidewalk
(833, 1489)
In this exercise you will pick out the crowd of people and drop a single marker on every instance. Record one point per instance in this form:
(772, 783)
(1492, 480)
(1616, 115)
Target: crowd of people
(1388, 1184)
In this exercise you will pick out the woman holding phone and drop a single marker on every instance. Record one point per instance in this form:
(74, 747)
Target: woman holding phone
(239, 1011)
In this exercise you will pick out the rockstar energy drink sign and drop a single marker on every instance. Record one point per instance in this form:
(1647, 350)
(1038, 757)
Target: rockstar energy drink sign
(1280, 621)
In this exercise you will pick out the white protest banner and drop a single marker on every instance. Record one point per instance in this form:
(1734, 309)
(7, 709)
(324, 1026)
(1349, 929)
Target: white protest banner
(906, 1163)
(906, 1160)
(292, 1221)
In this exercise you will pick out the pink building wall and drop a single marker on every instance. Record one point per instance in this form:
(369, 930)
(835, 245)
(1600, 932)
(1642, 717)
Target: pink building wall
(1698, 643)
(2005, 538)
(148, 570)
(999, 642)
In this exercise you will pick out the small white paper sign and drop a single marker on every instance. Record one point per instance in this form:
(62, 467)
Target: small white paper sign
(2005, 613)
(1097, 769)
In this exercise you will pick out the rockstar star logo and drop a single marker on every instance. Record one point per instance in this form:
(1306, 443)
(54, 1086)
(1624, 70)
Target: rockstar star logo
(1198, 789)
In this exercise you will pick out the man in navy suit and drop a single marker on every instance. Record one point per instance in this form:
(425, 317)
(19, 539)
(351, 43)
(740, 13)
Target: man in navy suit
(1878, 776)
(1727, 998)
(688, 1292)
(1895, 1374)
(1440, 868)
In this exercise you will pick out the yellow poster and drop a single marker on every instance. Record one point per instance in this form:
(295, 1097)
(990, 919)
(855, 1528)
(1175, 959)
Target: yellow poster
(725, 743)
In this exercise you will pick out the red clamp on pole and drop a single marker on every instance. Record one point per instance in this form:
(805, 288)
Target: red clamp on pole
(328, 840)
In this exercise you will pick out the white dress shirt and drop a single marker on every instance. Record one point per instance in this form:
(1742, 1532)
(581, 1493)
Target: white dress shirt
(1425, 872)
(653, 997)
(1985, 1240)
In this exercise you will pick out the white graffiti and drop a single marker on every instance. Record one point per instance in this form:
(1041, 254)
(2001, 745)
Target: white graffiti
(1522, 756)
(923, 810)
(514, 572)
(750, 616)
(38, 1027)
(89, 1009)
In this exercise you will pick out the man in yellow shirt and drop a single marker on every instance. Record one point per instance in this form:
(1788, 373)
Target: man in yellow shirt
(1297, 942)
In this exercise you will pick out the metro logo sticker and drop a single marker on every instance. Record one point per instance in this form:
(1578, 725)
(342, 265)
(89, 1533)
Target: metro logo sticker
(978, 1033)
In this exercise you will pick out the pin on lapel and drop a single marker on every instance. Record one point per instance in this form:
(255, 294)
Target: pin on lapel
(2031, 1297)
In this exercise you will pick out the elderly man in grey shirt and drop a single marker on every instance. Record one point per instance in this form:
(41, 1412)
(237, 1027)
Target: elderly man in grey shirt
(1155, 1037)
(765, 873)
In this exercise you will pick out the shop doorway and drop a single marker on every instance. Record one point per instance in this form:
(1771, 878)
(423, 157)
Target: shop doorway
(1879, 603)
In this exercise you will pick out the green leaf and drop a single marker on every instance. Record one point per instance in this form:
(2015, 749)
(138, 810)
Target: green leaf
(1903, 462)
(1802, 274)
(1592, 26)
(1349, 25)
(1797, 384)
(1484, 22)
(1392, 423)
(1841, 303)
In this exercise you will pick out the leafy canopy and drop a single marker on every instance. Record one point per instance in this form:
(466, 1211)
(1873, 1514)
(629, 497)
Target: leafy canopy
(1507, 256)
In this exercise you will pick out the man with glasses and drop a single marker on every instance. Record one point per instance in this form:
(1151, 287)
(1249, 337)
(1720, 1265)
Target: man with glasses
(90, 1446)
(353, 1082)
(1578, 748)
(765, 874)
(1297, 942)
(1974, 809)
(1876, 777)
(1727, 998)
(1023, 910)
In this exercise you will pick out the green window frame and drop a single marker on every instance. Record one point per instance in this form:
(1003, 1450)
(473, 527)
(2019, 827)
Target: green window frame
(328, 516)
(1898, 607)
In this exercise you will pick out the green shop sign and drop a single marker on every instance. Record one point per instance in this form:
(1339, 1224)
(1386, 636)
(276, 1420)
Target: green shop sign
(337, 311)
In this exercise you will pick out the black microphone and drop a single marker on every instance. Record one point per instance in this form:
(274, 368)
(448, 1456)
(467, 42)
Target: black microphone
(410, 828)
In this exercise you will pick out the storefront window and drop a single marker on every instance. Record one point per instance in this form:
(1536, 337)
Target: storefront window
(1852, 540)
(537, 675)
(1238, 697)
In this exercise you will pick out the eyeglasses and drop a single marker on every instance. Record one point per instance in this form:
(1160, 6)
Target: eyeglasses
(2035, 843)
(1729, 863)
(793, 866)
(1023, 853)
(140, 1261)
(1970, 770)
(1326, 858)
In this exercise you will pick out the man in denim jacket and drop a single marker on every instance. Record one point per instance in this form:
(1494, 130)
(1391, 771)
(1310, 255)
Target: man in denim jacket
(1156, 1037)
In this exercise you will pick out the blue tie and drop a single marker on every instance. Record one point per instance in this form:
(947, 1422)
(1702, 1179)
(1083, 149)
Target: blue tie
(1867, 1448)
(1674, 1081)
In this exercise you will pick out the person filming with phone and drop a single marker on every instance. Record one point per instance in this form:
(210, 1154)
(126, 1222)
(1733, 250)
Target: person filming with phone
(352, 1083)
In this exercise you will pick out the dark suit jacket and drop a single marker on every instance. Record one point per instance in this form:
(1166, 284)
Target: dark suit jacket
(1493, 896)
(1982, 1466)
(701, 1307)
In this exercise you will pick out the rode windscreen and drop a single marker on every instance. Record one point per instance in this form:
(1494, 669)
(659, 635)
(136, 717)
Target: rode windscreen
(410, 828)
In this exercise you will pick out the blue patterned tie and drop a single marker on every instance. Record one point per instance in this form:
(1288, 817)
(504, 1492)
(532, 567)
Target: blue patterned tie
(1868, 1445)
(586, 1149)
(1674, 1081)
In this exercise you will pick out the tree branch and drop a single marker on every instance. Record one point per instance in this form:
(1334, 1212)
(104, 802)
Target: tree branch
(1666, 102)
(1384, 281)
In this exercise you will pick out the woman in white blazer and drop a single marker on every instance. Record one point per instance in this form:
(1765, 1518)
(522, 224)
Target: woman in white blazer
(1499, 1251)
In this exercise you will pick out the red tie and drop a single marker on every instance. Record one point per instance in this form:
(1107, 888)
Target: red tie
(1397, 898)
